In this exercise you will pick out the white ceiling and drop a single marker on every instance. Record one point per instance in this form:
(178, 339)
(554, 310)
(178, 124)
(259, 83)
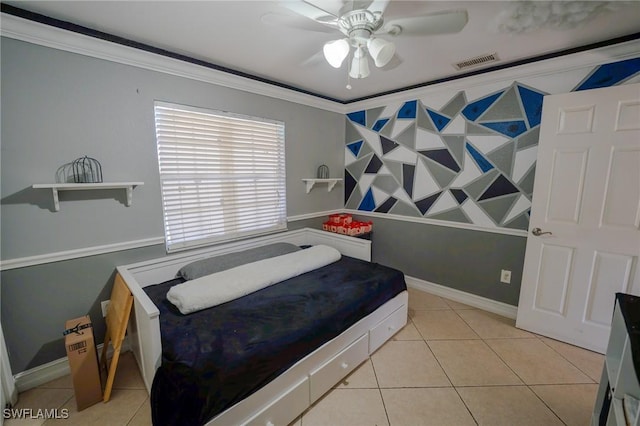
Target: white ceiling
(232, 34)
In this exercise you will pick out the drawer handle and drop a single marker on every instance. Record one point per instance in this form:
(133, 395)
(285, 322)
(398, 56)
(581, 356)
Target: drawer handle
(344, 365)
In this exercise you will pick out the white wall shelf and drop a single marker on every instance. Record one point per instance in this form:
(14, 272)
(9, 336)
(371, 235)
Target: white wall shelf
(331, 182)
(56, 187)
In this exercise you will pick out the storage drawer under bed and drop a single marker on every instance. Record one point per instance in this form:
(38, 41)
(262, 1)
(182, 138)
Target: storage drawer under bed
(327, 375)
(285, 409)
(387, 328)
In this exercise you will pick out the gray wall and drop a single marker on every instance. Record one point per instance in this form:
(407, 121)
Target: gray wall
(36, 302)
(58, 106)
(462, 259)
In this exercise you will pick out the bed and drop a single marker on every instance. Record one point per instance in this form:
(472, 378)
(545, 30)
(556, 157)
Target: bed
(288, 354)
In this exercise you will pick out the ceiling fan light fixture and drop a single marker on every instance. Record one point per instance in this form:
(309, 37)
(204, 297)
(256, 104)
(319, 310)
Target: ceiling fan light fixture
(336, 51)
(359, 64)
(381, 51)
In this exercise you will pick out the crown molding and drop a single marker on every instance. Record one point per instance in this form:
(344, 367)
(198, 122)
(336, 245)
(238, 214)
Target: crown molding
(49, 36)
(57, 38)
(588, 58)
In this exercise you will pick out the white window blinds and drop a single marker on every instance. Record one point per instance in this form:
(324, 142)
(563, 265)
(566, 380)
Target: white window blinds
(222, 175)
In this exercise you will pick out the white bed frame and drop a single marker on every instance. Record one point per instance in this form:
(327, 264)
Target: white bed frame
(287, 396)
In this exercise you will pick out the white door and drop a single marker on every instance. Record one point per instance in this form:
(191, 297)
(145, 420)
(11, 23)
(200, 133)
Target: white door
(587, 196)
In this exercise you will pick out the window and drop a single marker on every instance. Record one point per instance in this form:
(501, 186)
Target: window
(222, 175)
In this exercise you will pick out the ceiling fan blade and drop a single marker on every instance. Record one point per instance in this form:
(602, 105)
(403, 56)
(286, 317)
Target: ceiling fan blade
(445, 22)
(314, 60)
(295, 21)
(310, 11)
(331, 7)
(378, 6)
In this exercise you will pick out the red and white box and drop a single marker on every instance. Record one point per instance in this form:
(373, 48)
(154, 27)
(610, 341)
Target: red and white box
(334, 218)
(343, 223)
(340, 218)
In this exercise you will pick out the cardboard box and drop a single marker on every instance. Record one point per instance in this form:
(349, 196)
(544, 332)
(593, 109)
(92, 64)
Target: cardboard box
(83, 361)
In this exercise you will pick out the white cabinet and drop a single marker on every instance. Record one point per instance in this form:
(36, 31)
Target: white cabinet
(617, 402)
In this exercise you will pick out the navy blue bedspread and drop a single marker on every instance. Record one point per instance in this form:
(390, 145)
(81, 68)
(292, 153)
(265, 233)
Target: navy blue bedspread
(214, 358)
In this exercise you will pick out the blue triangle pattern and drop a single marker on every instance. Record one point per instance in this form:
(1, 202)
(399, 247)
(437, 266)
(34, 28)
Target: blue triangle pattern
(379, 124)
(475, 109)
(408, 110)
(355, 147)
(359, 117)
(482, 162)
(508, 128)
(610, 74)
(532, 102)
(368, 203)
(439, 120)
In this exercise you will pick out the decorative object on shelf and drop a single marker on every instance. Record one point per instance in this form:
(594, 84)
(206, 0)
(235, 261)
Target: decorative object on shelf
(86, 170)
(323, 172)
(331, 182)
(343, 223)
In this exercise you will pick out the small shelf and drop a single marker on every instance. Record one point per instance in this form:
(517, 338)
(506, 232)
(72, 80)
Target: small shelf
(56, 187)
(331, 182)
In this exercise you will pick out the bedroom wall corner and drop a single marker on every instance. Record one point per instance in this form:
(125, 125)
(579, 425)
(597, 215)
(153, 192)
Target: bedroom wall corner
(58, 106)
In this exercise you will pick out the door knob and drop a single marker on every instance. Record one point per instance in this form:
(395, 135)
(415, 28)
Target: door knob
(537, 232)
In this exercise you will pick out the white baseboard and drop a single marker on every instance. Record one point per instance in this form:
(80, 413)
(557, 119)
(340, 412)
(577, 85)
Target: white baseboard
(479, 302)
(44, 373)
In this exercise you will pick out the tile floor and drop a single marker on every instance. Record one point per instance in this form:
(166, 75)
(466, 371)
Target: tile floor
(451, 365)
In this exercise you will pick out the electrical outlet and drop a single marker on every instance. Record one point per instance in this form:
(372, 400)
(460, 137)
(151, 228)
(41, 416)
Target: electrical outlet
(104, 305)
(505, 276)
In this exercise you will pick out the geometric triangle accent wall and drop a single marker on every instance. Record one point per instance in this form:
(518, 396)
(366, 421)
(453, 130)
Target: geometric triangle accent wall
(469, 161)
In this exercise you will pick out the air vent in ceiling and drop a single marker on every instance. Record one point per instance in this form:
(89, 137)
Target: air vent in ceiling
(478, 60)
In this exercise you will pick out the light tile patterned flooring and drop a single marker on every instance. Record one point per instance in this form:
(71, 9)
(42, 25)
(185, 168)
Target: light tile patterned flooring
(451, 365)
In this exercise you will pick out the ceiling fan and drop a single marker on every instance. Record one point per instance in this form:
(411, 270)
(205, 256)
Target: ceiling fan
(362, 23)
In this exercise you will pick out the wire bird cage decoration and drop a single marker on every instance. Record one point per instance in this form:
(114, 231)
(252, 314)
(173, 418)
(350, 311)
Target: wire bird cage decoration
(86, 170)
(323, 172)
